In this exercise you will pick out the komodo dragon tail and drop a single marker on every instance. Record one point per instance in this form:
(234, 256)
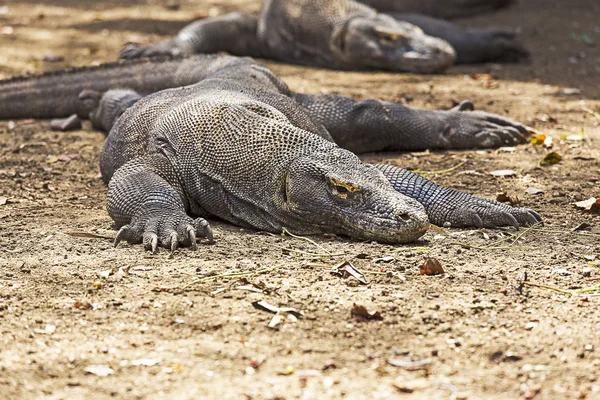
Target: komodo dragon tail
(56, 94)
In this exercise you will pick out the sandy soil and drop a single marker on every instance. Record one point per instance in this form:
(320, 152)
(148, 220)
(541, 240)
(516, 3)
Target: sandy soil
(68, 331)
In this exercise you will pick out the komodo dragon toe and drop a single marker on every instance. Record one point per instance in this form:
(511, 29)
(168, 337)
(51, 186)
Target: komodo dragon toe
(462, 128)
(164, 228)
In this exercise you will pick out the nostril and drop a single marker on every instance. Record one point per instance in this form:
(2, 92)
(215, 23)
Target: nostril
(404, 216)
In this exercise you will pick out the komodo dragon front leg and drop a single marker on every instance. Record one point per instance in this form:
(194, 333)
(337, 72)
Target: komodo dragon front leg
(234, 33)
(371, 125)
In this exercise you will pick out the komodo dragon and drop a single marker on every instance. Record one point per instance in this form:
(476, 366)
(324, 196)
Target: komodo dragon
(346, 34)
(231, 140)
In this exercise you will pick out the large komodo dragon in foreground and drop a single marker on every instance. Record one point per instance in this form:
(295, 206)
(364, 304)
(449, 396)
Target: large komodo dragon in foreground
(346, 34)
(231, 140)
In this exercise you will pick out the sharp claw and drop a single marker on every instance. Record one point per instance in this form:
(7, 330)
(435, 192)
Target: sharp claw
(511, 220)
(209, 234)
(465, 105)
(192, 236)
(206, 231)
(537, 216)
(476, 220)
(174, 241)
(150, 240)
(121, 235)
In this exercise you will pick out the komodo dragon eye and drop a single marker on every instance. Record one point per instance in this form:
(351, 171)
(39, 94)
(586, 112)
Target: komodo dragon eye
(343, 189)
(389, 36)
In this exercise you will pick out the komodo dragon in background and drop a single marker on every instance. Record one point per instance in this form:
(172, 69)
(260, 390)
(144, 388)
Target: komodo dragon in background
(231, 140)
(346, 34)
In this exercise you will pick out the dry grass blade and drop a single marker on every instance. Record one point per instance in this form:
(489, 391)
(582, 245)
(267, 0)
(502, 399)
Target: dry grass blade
(572, 292)
(284, 232)
(89, 235)
(494, 245)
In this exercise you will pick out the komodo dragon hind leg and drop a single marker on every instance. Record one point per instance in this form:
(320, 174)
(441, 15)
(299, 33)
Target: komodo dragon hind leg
(446, 206)
(471, 45)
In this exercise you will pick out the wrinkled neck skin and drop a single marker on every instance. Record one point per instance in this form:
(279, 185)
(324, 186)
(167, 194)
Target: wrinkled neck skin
(381, 42)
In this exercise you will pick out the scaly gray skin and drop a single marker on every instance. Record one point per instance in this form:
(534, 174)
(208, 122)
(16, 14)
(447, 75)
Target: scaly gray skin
(342, 34)
(239, 145)
(446, 9)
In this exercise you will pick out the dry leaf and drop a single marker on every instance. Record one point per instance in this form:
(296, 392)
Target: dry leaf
(361, 314)
(3, 200)
(577, 137)
(552, 158)
(146, 362)
(538, 139)
(99, 370)
(504, 172)
(532, 191)
(346, 269)
(410, 364)
(591, 205)
(432, 266)
(82, 305)
(508, 197)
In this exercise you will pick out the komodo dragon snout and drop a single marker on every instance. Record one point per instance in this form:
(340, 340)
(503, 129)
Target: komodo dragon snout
(385, 43)
(353, 199)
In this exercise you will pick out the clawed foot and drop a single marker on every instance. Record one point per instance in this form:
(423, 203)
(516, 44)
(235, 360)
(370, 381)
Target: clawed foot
(464, 128)
(472, 211)
(164, 228)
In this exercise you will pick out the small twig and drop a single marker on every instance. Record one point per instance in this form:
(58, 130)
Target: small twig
(418, 248)
(493, 246)
(552, 288)
(440, 171)
(559, 290)
(284, 232)
(470, 246)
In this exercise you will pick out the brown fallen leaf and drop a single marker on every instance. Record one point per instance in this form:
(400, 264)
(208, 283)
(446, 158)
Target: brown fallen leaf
(552, 158)
(82, 305)
(508, 197)
(432, 266)
(361, 314)
(589, 206)
(346, 269)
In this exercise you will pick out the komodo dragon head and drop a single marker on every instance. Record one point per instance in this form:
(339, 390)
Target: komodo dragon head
(340, 194)
(382, 42)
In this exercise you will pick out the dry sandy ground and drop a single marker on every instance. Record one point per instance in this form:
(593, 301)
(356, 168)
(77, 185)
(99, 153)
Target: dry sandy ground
(155, 334)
